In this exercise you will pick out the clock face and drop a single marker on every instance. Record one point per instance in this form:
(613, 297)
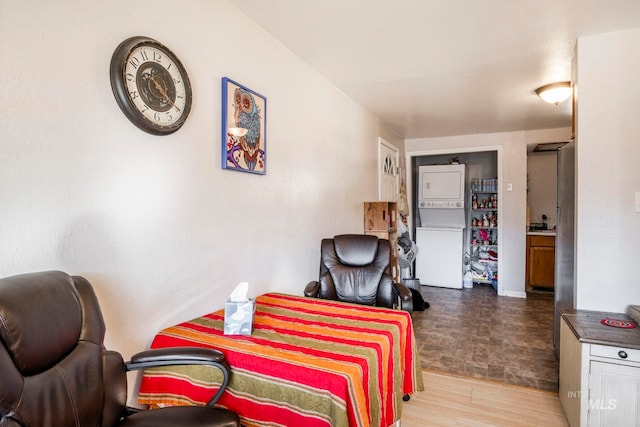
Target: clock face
(150, 85)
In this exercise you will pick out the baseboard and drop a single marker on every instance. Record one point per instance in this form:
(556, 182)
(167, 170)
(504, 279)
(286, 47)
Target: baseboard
(515, 294)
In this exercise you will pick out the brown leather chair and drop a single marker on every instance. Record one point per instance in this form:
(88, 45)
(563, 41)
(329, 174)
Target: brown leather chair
(355, 268)
(55, 371)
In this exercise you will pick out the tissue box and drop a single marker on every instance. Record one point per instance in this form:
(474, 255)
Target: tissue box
(238, 317)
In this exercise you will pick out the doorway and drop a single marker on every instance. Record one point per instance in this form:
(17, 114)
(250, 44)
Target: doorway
(481, 163)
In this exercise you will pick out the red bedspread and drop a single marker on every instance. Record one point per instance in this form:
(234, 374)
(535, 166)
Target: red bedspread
(308, 362)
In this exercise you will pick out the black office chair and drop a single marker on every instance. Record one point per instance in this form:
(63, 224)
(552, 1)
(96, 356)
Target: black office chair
(55, 371)
(356, 268)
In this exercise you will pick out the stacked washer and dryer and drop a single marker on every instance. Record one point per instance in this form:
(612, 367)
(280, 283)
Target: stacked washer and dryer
(440, 236)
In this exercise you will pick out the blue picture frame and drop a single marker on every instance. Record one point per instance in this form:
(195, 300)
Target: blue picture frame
(244, 128)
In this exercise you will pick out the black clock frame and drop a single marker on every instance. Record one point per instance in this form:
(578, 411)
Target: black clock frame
(120, 92)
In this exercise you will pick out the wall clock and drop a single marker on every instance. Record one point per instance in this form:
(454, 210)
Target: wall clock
(150, 85)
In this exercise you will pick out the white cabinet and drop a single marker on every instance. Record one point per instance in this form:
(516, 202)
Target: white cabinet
(599, 384)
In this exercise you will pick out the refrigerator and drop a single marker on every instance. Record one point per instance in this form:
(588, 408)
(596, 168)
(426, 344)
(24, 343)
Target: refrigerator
(564, 282)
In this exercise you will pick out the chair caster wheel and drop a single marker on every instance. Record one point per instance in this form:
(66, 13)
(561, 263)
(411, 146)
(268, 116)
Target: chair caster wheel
(406, 397)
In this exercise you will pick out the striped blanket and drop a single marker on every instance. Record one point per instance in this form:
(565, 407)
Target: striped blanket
(308, 362)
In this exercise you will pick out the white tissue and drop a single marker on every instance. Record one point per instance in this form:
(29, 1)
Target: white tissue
(239, 294)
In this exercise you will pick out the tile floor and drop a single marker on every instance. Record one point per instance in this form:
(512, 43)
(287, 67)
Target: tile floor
(475, 333)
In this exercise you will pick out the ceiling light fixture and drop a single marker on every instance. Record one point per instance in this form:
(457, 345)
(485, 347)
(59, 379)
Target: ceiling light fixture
(555, 93)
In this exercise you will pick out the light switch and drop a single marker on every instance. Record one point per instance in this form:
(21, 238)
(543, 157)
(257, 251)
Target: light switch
(510, 187)
(637, 201)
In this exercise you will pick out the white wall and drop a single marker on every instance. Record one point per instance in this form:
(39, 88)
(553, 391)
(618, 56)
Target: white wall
(607, 171)
(542, 185)
(156, 225)
(512, 169)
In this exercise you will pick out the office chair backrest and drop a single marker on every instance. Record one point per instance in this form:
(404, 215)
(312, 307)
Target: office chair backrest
(355, 268)
(51, 354)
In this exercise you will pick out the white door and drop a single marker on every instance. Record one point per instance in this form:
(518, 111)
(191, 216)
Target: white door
(388, 181)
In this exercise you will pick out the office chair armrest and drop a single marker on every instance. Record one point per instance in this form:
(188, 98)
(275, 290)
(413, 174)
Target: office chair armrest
(406, 298)
(403, 292)
(312, 289)
(175, 356)
(407, 305)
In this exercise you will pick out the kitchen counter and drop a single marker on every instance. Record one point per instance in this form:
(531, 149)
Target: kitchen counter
(599, 380)
(587, 327)
(541, 233)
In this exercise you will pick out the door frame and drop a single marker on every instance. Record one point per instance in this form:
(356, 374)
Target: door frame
(409, 155)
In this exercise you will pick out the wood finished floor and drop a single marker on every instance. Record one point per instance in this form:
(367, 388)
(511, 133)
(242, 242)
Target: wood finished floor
(475, 333)
(461, 401)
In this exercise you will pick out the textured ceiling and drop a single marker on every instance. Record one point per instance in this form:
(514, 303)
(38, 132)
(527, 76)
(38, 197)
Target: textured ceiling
(444, 67)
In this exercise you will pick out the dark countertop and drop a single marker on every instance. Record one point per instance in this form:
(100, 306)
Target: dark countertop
(587, 327)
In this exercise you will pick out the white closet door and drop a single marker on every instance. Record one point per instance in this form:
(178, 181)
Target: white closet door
(388, 158)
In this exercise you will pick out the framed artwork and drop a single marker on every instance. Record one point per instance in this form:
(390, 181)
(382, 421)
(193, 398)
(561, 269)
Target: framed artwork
(244, 128)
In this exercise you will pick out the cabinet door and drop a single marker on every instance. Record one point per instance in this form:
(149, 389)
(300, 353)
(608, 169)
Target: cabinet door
(570, 377)
(614, 398)
(541, 265)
